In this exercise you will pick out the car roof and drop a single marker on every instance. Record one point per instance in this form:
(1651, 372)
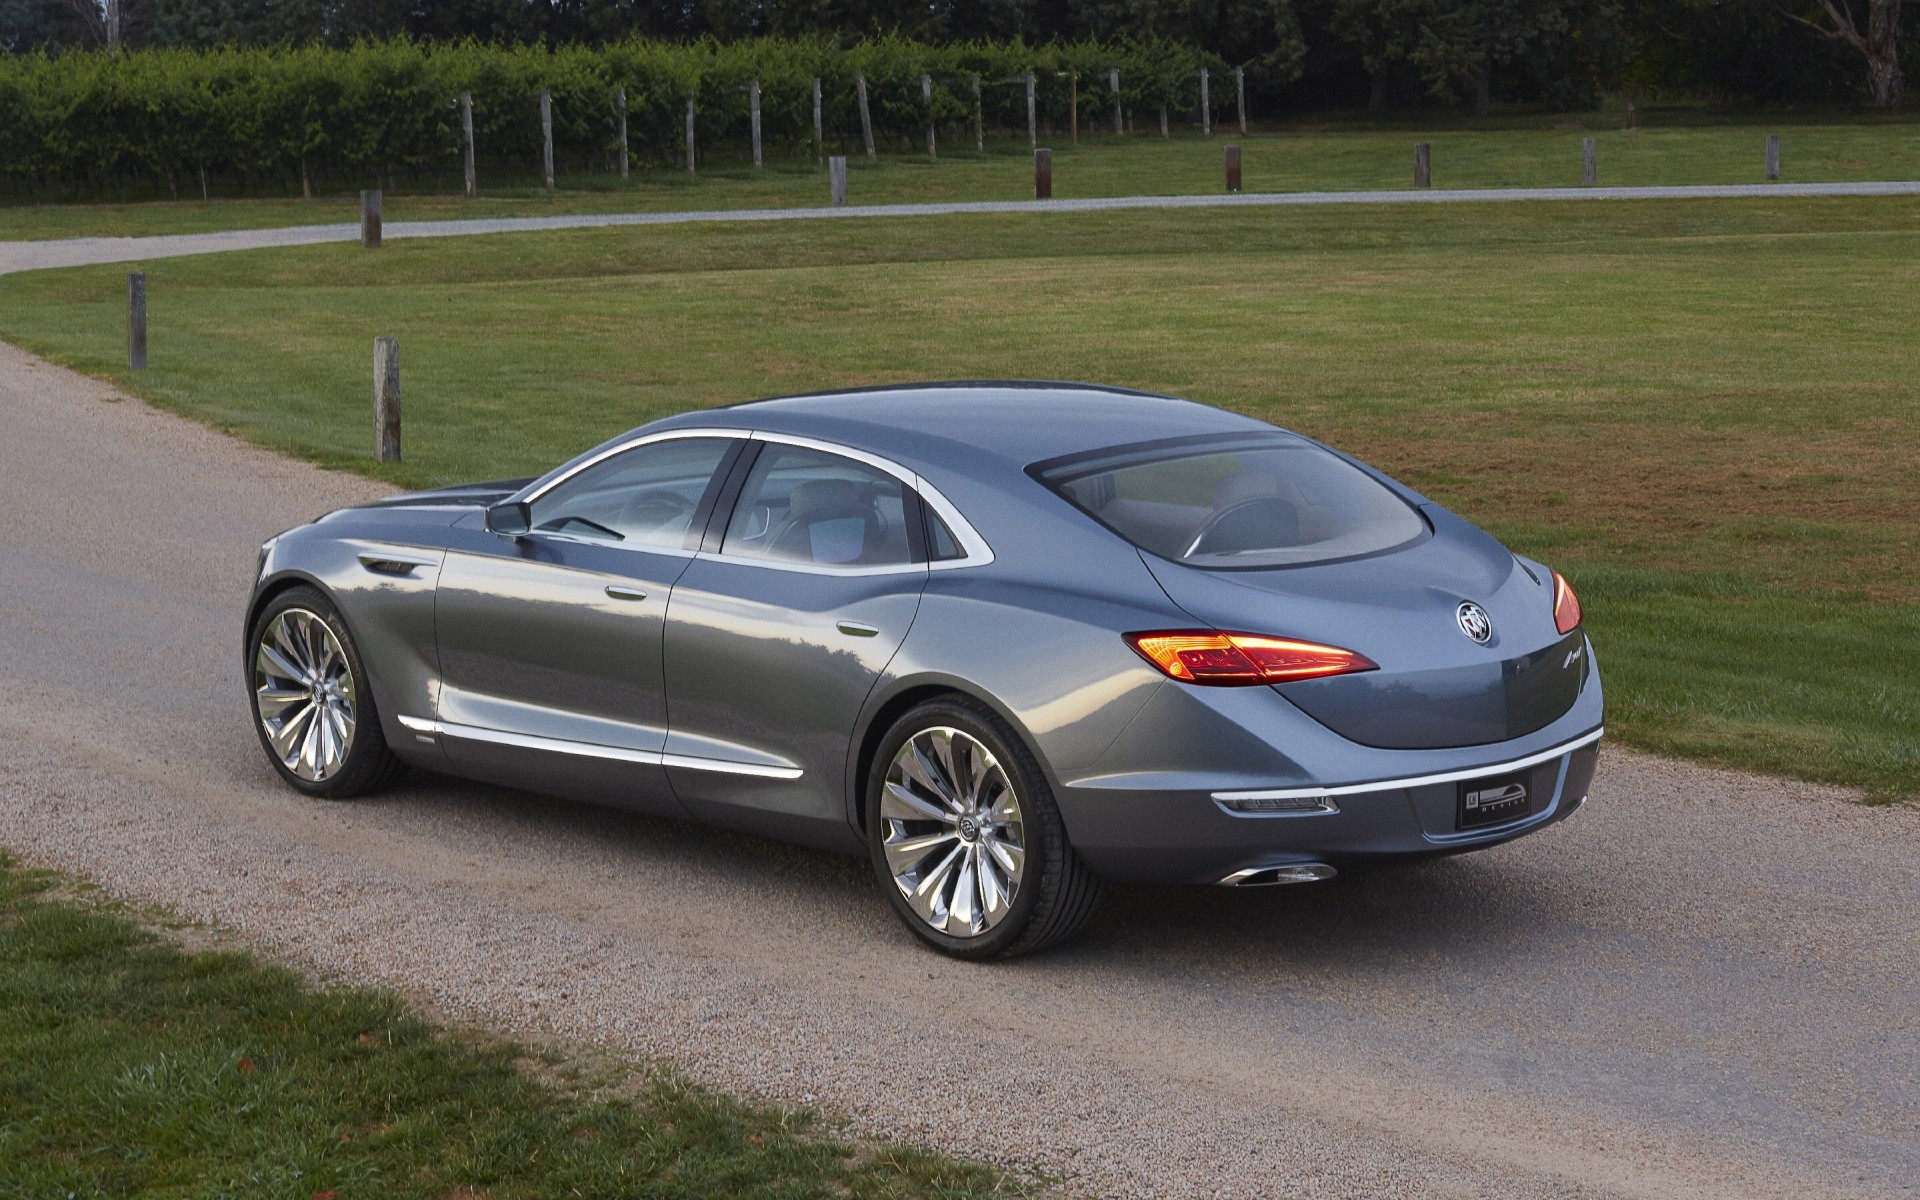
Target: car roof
(1018, 422)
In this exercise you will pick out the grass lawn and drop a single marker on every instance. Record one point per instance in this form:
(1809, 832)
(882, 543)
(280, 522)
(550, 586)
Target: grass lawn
(1311, 157)
(1705, 413)
(129, 1067)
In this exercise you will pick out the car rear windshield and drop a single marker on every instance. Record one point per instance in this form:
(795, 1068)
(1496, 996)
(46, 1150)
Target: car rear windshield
(1263, 501)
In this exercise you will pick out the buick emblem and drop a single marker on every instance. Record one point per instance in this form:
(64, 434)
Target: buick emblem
(1474, 622)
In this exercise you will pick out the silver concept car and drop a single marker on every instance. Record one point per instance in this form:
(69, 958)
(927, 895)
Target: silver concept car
(1010, 640)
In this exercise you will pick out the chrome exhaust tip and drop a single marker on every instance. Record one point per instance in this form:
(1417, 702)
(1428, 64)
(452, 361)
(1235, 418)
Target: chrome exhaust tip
(1270, 876)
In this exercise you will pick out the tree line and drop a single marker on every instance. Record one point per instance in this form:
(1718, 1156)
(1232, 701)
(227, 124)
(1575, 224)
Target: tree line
(1299, 54)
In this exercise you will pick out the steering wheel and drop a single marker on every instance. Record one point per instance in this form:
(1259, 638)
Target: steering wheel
(654, 508)
(1219, 518)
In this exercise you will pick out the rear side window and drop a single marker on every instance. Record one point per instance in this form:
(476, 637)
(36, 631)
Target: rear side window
(807, 506)
(1265, 501)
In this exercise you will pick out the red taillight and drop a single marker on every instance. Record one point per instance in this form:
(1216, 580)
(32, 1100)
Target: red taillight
(1566, 608)
(1230, 659)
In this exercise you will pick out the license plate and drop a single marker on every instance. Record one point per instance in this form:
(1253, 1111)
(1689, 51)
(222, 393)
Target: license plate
(1493, 801)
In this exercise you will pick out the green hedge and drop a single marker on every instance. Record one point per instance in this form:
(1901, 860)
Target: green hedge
(267, 119)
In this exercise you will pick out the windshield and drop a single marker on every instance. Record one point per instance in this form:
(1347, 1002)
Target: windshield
(1263, 501)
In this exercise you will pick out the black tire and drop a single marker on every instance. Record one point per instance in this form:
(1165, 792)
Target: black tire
(1056, 893)
(369, 763)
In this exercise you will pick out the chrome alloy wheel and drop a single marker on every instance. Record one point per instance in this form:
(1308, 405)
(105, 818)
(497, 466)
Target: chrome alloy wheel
(303, 692)
(954, 836)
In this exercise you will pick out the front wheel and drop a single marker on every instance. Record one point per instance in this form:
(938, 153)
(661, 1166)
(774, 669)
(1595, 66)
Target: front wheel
(312, 707)
(966, 838)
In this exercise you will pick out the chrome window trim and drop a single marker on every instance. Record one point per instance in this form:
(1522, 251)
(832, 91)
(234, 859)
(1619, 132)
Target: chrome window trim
(1414, 781)
(974, 549)
(531, 741)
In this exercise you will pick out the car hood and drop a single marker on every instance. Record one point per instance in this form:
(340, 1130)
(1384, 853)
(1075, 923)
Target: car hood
(466, 495)
(1435, 687)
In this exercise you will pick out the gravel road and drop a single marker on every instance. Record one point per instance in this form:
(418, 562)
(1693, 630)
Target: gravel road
(74, 252)
(1704, 984)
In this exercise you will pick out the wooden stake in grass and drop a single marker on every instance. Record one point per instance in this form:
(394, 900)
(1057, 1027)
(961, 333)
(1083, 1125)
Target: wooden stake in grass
(1113, 85)
(1422, 165)
(1589, 162)
(620, 107)
(689, 135)
(466, 144)
(753, 115)
(1240, 96)
(837, 179)
(370, 218)
(1163, 122)
(819, 130)
(546, 136)
(866, 114)
(1206, 106)
(386, 398)
(1042, 173)
(1073, 106)
(137, 321)
(1233, 168)
(926, 97)
(1773, 158)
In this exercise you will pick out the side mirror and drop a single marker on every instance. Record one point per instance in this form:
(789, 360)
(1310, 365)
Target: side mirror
(510, 518)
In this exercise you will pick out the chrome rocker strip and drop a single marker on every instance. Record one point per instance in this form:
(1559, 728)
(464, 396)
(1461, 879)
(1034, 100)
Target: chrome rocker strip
(1414, 781)
(529, 741)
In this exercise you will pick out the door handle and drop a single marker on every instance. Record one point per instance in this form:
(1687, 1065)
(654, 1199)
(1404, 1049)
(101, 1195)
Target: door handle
(858, 629)
(625, 593)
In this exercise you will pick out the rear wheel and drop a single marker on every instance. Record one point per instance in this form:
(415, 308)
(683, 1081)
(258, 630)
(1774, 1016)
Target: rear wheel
(966, 838)
(312, 707)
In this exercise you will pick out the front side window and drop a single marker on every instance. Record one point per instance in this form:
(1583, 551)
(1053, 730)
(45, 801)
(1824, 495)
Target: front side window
(645, 497)
(807, 506)
(1268, 500)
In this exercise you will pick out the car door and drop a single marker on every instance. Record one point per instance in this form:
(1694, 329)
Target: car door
(777, 634)
(550, 642)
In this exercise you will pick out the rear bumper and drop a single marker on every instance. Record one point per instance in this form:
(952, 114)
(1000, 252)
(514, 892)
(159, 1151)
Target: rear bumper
(1129, 835)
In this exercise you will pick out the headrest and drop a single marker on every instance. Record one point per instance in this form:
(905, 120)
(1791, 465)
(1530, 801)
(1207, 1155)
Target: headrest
(822, 495)
(1245, 486)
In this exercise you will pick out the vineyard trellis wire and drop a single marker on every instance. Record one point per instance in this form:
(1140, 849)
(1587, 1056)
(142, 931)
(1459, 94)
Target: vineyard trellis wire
(273, 120)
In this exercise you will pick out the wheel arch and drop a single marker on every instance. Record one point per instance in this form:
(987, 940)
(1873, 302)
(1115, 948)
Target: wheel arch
(900, 699)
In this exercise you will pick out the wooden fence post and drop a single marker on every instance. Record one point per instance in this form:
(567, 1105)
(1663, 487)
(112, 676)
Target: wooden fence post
(689, 135)
(1073, 106)
(1773, 158)
(753, 117)
(1206, 106)
(1042, 173)
(837, 179)
(620, 106)
(1113, 85)
(1589, 162)
(1233, 168)
(1033, 117)
(546, 135)
(979, 120)
(386, 398)
(819, 130)
(370, 218)
(1240, 94)
(466, 143)
(866, 114)
(137, 320)
(926, 94)
(1163, 122)
(1422, 165)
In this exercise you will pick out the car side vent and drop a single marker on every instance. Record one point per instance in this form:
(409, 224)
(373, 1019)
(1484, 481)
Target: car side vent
(388, 566)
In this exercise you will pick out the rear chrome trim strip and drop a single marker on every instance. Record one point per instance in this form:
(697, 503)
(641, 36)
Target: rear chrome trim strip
(1414, 781)
(529, 741)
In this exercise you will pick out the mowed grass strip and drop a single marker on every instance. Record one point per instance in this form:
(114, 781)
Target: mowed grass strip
(129, 1067)
(1704, 412)
(1526, 152)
